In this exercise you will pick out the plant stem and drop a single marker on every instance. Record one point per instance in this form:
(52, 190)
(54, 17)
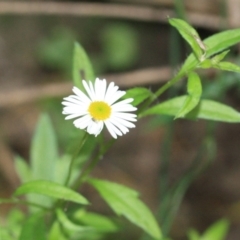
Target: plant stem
(74, 156)
(84, 174)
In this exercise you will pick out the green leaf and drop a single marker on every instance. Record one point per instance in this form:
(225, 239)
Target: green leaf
(217, 231)
(206, 109)
(124, 201)
(82, 68)
(194, 89)
(190, 35)
(51, 189)
(44, 151)
(228, 66)
(208, 63)
(193, 235)
(98, 222)
(214, 44)
(69, 225)
(12, 224)
(139, 94)
(23, 169)
(219, 57)
(34, 228)
(56, 232)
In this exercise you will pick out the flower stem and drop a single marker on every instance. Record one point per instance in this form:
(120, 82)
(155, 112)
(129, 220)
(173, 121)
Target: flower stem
(84, 174)
(74, 156)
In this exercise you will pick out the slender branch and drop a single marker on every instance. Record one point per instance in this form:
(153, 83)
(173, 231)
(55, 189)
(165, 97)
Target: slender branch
(74, 156)
(84, 174)
(125, 11)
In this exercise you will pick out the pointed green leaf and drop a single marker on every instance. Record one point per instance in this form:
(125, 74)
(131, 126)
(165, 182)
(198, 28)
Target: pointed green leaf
(169, 107)
(82, 68)
(43, 157)
(44, 151)
(206, 109)
(228, 66)
(217, 231)
(190, 35)
(51, 189)
(208, 63)
(124, 201)
(34, 228)
(194, 88)
(214, 44)
(139, 94)
(69, 225)
(219, 57)
(98, 222)
(56, 232)
(22, 168)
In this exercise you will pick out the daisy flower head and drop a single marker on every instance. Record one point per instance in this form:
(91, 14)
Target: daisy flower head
(100, 106)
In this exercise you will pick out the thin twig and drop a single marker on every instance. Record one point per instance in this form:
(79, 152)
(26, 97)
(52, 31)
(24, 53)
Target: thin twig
(140, 77)
(125, 11)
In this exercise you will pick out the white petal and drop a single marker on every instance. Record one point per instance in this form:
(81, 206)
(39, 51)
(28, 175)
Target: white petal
(118, 124)
(70, 99)
(110, 91)
(81, 95)
(127, 116)
(123, 108)
(123, 122)
(112, 129)
(95, 127)
(75, 115)
(82, 122)
(115, 97)
(100, 89)
(89, 90)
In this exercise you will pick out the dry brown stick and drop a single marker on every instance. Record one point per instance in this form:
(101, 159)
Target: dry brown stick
(125, 11)
(31, 94)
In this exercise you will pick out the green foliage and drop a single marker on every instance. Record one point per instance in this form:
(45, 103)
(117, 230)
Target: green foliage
(23, 169)
(206, 109)
(214, 44)
(82, 68)
(227, 66)
(194, 89)
(56, 232)
(12, 227)
(34, 228)
(190, 35)
(139, 94)
(98, 222)
(50, 189)
(69, 226)
(217, 231)
(124, 201)
(44, 152)
(50, 181)
(120, 46)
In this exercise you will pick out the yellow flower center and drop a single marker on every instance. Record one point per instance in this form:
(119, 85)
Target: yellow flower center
(99, 110)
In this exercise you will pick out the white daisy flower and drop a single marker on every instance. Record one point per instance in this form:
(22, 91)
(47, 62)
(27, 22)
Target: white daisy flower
(100, 107)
